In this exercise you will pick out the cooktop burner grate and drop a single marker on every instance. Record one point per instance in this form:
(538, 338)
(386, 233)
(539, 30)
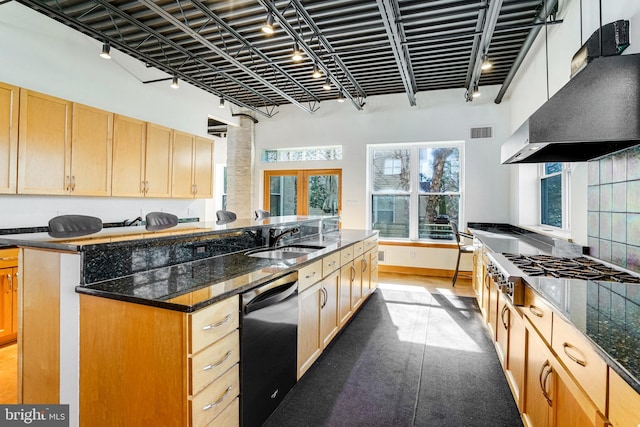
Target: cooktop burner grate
(569, 268)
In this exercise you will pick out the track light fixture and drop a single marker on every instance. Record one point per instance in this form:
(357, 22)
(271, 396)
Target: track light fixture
(486, 63)
(267, 27)
(340, 97)
(221, 104)
(476, 92)
(316, 72)
(106, 51)
(296, 55)
(327, 84)
(174, 82)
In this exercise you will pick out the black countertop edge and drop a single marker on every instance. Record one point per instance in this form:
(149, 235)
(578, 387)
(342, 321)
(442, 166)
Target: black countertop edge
(335, 245)
(609, 360)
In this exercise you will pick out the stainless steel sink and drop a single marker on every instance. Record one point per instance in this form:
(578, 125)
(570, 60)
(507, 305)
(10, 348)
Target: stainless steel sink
(284, 252)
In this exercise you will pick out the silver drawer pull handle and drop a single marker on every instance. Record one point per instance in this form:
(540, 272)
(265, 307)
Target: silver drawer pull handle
(308, 276)
(536, 311)
(219, 401)
(218, 363)
(580, 362)
(215, 325)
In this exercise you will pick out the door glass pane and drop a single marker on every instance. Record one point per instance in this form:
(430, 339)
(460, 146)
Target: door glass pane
(390, 215)
(323, 194)
(283, 195)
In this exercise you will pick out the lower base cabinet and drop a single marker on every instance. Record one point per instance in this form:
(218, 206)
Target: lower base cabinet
(142, 365)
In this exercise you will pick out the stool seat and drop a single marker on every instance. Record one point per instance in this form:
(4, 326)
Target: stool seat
(462, 248)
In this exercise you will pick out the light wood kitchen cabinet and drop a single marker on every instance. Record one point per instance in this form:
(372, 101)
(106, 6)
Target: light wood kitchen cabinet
(492, 307)
(539, 313)
(192, 170)
(510, 345)
(581, 360)
(348, 276)
(173, 375)
(9, 108)
(329, 321)
(91, 151)
(552, 397)
(624, 402)
(44, 144)
(309, 341)
(8, 295)
(536, 409)
(141, 159)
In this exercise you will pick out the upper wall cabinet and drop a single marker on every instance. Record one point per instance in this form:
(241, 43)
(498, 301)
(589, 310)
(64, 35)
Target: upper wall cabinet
(192, 174)
(9, 106)
(44, 144)
(141, 159)
(91, 155)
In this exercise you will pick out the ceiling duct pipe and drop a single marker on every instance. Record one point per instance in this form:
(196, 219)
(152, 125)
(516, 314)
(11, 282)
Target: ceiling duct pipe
(548, 7)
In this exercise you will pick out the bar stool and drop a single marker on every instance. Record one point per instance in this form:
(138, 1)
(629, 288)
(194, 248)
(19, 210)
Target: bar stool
(462, 248)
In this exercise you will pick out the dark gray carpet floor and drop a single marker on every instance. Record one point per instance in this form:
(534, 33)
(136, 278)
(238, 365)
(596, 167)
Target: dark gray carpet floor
(409, 358)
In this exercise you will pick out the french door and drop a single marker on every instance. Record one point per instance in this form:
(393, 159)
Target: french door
(303, 192)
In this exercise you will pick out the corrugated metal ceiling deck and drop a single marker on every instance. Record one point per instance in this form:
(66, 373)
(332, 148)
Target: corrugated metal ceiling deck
(364, 47)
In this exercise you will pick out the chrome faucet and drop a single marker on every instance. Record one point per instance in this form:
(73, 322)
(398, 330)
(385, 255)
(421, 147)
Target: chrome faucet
(275, 238)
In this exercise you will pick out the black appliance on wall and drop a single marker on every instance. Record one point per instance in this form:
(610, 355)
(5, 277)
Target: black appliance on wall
(268, 347)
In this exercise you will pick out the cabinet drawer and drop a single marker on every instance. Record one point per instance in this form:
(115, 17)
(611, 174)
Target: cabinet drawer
(212, 323)
(230, 416)
(370, 243)
(309, 275)
(210, 402)
(581, 360)
(358, 249)
(624, 402)
(9, 257)
(207, 365)
(538, 312)
(330, 263)
(346, 255)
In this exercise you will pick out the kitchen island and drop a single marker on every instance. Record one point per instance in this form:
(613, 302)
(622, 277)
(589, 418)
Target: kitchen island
(569, 348)
(119, 311)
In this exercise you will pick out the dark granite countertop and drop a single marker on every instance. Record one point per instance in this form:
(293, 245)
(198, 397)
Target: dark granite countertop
(42, 239)
(191, 286)
(606, 313)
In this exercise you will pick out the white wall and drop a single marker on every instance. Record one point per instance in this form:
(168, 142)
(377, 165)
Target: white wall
(438, 116)
(41, 54)
(529, 90)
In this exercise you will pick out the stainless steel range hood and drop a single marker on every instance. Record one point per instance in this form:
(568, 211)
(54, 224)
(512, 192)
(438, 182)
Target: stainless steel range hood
(596, 113)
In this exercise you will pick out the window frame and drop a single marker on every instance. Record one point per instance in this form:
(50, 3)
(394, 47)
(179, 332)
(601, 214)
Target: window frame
(414, 191)
(565, 190)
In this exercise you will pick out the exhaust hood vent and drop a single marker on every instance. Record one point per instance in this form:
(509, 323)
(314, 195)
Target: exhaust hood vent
(593, 115)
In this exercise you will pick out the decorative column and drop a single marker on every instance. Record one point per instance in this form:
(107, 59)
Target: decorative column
(240, 141)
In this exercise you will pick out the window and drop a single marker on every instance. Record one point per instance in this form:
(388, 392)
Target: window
(554, 195)
(333, 152)
(415, 190)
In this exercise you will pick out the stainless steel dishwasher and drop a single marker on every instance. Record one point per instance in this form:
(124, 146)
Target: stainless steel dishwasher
(268, 347)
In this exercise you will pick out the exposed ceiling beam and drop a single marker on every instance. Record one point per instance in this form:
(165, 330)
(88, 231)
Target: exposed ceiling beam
(491, 18)
(356, 101)
(202, 40)
(389, 11)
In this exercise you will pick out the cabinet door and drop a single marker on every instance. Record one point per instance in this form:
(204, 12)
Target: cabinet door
(158, 161)
(502, 330)
(624, 402)
(309, 345)
(44, 140)
(356, 285)
(6, 302)
(182, 169)
(516, 354)
(347, 276)
(538, 381)
(571, 407)
(329, 321)
(129, 142)
(203, 168)
(9, 106)
(14, 279)
(492, 308)
(91, 152)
